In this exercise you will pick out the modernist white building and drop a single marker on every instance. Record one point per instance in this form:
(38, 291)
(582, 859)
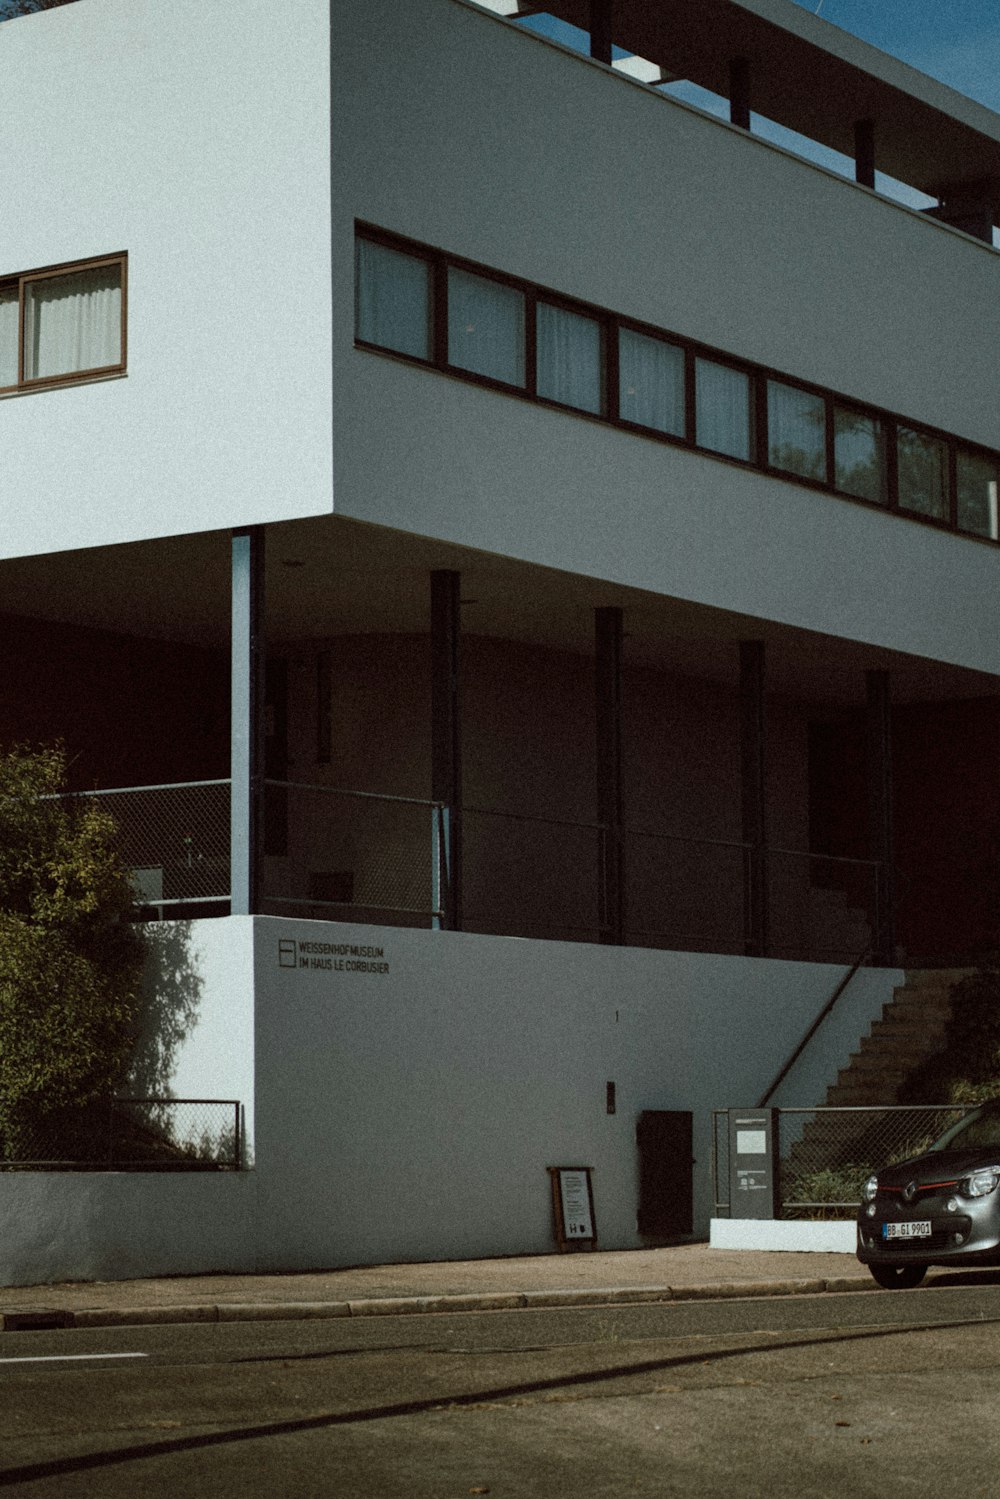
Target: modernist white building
(522, 550)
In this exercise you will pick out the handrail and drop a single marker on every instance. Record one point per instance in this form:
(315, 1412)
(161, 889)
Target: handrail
(370, 796)
(58, 796)
(769, 1093)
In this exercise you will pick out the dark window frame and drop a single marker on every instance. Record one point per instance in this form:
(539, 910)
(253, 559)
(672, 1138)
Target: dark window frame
(21, 281)
(610, 323)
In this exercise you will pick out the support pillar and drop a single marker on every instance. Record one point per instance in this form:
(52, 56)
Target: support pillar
(739, 92)
(248, 658)
(753, 763)
(446, 739)
(864, 152)
(608, 636)
(880, 800)
(601, 30)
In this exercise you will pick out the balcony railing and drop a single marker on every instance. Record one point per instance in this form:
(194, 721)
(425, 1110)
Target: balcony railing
(364, 856)
(175, 839)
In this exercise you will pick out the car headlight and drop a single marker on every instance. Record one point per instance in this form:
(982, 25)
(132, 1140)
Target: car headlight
(981, 1183)
(870, 1188)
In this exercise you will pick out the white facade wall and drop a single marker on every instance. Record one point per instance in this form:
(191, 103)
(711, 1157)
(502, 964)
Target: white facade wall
(411, 1114)
(93, 1225)
(496, 146)
(196, 138)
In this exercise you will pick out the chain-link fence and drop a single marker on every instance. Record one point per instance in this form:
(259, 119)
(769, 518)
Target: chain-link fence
(175, 839)
(128, 1134)
(827, 1154)
(350, 854)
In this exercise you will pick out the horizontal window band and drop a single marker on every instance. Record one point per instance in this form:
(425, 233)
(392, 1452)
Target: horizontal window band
(613, 369)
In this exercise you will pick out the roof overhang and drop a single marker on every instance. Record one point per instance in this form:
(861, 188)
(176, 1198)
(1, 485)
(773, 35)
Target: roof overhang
(810, 76)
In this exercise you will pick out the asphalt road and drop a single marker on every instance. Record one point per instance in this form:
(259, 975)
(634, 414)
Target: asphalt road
(890, 1394)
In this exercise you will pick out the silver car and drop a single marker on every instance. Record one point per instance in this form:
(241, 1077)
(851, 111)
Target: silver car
(939, 1208)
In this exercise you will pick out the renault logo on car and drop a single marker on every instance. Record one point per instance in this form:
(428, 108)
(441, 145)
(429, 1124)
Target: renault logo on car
(909, 1191)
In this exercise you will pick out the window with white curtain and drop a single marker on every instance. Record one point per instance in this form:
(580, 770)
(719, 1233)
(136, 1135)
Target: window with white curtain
(796, 430)
(569, 358)
(859, 454)
(62, 324)
(978, 475)
(8, 337)
(922, 462)
(393, 299)
(650, 382)
(722, 409)
(485, 327)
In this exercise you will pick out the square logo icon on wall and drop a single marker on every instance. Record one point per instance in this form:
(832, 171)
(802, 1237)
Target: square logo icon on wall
(286, 953)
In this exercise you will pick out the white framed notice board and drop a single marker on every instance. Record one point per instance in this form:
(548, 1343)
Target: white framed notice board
(573, 1206)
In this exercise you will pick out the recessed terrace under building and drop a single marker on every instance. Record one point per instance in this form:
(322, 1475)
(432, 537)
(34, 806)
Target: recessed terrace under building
(458, 739)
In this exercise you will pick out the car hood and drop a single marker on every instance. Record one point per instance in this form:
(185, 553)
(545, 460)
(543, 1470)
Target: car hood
(939, 1166)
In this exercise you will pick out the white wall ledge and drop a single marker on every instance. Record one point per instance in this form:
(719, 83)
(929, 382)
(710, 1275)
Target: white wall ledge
(779, 1233)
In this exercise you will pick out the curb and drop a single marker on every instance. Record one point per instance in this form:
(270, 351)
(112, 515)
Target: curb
(39, 1318)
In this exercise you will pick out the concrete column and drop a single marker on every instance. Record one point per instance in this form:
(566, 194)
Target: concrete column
(601, 30)
(248, 657)
(608, 636)
(864, 152)
(880, 807)
(446, 736)
(739, 92)
(753, 762)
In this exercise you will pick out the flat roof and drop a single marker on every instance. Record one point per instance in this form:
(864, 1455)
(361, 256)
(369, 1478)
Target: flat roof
(811, 76)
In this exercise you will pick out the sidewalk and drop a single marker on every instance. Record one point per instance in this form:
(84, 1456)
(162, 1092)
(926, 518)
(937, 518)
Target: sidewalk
(685, 1272)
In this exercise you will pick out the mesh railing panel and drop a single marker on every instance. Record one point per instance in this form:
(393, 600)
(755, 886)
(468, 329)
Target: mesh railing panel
(531, 876)
(338, 852)
(174, 838)
(683, 892)
(828, 1154)
(821, 907)
(148, 1134)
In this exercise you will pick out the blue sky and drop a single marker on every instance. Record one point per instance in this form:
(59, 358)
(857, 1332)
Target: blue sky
(957, 41)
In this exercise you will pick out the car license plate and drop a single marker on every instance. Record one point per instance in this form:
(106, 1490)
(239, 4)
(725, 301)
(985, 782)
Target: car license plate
(920, 1229)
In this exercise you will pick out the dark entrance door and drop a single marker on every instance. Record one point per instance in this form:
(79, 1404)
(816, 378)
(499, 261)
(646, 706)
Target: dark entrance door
(666, 1208)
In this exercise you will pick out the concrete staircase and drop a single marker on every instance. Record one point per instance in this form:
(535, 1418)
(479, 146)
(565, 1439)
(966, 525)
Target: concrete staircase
(911, 1029)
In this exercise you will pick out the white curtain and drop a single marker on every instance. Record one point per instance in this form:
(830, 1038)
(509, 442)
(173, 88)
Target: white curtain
(977, 494)
(722, 398)
(485, 327)
(393, 300)
(651, 382)
(796, 430)
(8, 338)
(922, 471)
(859, 449)
(73, 323)
(569, 358)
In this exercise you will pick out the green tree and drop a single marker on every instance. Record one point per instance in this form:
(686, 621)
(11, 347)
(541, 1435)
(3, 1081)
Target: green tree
(10, 8)
(70, 957)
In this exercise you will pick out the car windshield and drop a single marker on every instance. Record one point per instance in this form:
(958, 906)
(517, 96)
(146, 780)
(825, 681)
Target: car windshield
(982, 1127)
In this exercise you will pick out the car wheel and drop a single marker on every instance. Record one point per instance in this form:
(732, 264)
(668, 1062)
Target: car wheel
(898, 1277)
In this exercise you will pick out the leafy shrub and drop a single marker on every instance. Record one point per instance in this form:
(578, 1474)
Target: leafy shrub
(70, 958)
